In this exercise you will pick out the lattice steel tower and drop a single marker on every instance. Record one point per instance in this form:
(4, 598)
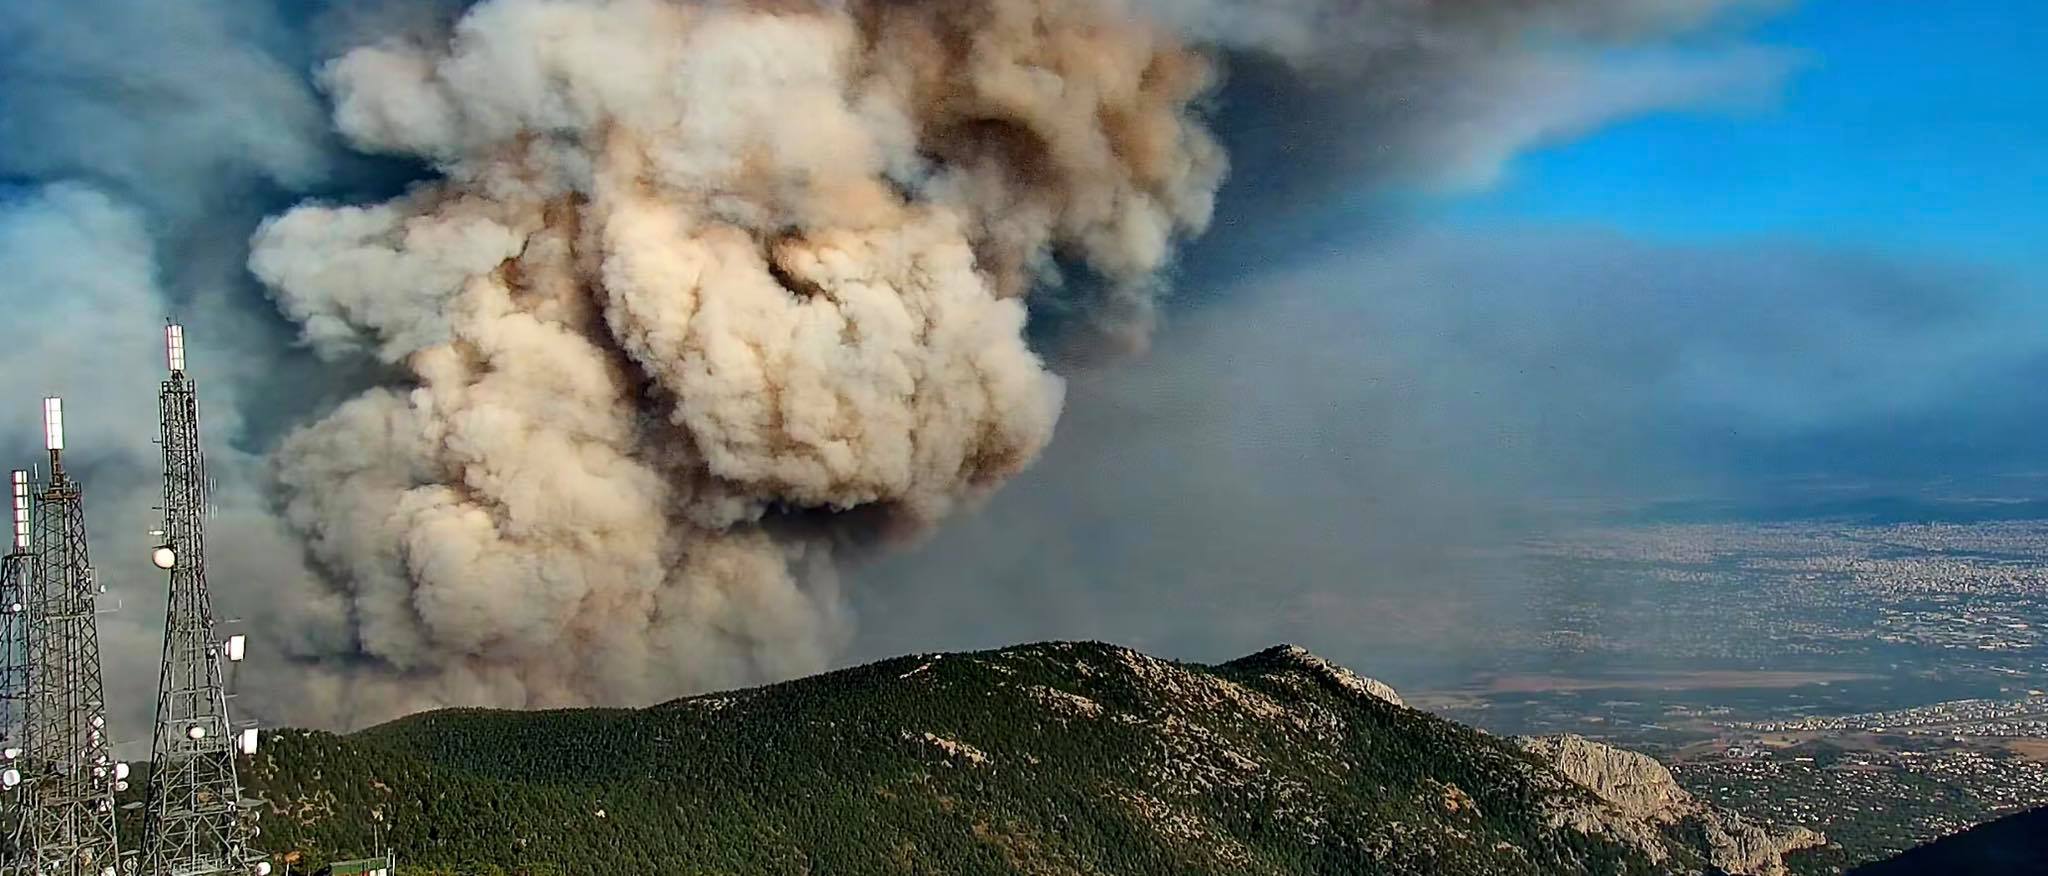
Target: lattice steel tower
(15, 570)
(67, 771)
(192, 822)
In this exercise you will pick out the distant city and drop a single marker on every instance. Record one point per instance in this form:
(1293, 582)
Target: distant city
(1886, 683)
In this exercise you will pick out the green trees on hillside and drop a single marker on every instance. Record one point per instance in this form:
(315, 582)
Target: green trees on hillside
(1053, 759)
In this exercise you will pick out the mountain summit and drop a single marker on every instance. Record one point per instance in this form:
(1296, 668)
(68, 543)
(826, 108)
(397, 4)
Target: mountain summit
(1059, 758)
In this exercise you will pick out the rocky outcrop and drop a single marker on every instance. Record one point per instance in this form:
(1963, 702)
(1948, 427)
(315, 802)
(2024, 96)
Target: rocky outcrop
(1299, 658)
(1634, 783)
(1639, 792)
(1743, 846)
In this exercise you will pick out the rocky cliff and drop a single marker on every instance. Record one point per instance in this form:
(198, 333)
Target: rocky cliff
(1643, 803)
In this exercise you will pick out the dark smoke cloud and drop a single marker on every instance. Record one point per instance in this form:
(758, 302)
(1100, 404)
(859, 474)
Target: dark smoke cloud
(151, 140)
(1330, 94)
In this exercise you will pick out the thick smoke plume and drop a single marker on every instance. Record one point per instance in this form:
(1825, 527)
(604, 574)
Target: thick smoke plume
(694, 278)
(694, 295)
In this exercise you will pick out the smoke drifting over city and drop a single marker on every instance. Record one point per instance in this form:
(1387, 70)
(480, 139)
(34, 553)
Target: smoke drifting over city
(588, 340)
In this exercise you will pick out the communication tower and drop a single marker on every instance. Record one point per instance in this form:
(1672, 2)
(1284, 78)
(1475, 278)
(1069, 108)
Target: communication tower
(67, 773)
(192, 820)
(15, 569)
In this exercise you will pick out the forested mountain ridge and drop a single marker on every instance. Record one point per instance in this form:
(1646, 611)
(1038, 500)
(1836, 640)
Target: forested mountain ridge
(1059, 758)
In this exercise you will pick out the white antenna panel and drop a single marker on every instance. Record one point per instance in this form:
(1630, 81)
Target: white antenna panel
(21, 510)
(53, 423)
(174, 346)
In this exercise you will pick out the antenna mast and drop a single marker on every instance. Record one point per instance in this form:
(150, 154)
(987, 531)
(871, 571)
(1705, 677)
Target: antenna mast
(15, 570)
(67, 773)
(192, 821)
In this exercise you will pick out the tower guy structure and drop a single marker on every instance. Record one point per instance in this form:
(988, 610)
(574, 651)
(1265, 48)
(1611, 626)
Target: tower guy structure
(192, 821)
(66, 770)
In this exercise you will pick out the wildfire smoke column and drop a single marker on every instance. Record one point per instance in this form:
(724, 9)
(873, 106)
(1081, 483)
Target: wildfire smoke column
(692, 274)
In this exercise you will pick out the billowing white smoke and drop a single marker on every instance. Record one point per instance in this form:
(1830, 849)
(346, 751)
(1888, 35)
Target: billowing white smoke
(704, 289)
(698, 282)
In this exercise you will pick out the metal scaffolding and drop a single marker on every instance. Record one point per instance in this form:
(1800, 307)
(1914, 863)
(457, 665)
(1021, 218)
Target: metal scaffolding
(192, 818)
(66, 768)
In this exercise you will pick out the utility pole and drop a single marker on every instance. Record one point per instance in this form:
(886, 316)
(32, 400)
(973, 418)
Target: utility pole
(192, 818)
(67, 770)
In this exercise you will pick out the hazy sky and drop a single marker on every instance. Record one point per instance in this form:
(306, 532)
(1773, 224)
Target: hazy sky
(1829, 272)
(1840, 268)
(1909, 147)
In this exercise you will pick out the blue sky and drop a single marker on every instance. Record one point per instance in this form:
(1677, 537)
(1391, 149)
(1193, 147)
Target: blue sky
(1831, 270)
(1912, 127)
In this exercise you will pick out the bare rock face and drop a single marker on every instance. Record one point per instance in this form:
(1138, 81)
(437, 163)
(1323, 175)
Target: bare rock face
(1639, 792)
(1634, 783)
(1299, 657)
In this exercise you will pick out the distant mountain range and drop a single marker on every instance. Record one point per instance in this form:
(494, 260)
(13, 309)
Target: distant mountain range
(2016, 845)
(1044, 759)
